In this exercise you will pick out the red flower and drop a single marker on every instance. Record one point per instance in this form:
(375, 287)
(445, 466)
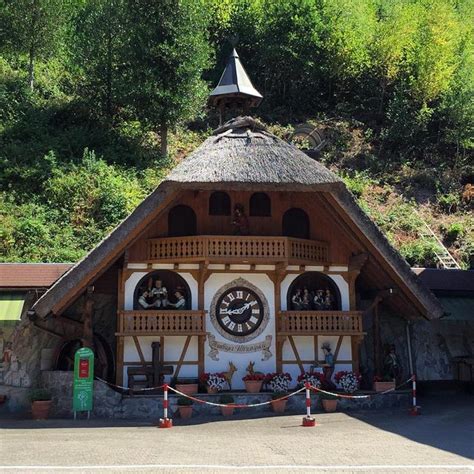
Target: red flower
(255, 376)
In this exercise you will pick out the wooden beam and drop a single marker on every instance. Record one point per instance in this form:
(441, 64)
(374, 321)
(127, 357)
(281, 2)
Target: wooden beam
(120, 361)
(139, 350)
(338, 348)
(87, 318)
(201, 357)
(295, 350)
(182, 356)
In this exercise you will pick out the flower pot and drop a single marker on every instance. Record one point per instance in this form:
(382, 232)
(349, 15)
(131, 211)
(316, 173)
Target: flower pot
(40, 409)
(279, 405)
(187, 388)
(253, 386)
(185, 411)
(227, 411)
(383, 386)
(329, 405)
(211, 391)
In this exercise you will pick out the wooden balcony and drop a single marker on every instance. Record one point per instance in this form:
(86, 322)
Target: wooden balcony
(237, 249)
(161, 323)
(293, 323)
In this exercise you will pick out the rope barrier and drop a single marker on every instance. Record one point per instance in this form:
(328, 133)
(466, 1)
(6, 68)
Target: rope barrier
(235, 405)
(146, 389)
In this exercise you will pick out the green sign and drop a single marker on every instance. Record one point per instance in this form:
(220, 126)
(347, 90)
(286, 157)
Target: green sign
(83, 380)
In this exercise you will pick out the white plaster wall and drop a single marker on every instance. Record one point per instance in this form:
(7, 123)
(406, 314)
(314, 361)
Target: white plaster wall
(338, 280)
(261, 281)
(305, 347)
(135, 277)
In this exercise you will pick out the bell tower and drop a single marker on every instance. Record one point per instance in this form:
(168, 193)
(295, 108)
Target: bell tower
(235, 89)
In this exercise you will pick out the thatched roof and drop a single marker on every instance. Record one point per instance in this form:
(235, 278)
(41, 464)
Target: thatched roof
(243, 152)
(239, 155)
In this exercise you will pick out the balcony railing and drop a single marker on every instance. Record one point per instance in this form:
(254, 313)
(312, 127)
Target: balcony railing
(319, 322)
(161, 323)
(237, 249)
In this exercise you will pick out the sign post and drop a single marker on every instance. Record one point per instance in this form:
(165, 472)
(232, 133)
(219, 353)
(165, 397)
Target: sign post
(83, 387)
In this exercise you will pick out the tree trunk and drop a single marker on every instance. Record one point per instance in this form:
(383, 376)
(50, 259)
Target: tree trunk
(164, 138)
(31, 69)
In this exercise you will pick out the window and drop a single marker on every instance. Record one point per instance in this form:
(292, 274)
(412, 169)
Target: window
(260, 205)
(181, 221)
(295, 223)
(219, 204)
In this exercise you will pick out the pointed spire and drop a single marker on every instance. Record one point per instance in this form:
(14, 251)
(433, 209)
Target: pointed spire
(235, 87)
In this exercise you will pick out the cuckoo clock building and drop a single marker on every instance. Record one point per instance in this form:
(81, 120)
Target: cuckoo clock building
(249, 250)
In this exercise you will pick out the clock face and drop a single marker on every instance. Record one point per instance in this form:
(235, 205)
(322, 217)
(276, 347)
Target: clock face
(239, 311)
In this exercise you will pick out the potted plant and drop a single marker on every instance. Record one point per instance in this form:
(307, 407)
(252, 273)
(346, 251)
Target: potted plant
(348, 381)
(253, 380)
(315, 379)
(213, 382)
(40, 403)
(382, 384)
(227, 399)
(328, 401)
(187, 386)
(185, 407)
(279, 383)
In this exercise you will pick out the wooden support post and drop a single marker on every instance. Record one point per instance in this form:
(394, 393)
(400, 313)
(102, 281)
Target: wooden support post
(201, 342)
(338, 348)
(377, 342)
(295, 350)
(139, 350)
(355, 345)
(88, 315)
(120, 361)
(280, 341)
(182, 356)
(316, 349)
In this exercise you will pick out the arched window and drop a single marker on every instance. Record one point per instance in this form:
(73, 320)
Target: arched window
(219, 204)
(260, 205)
(162, 290)
(181, 221)
(295, 223)
(313, 291)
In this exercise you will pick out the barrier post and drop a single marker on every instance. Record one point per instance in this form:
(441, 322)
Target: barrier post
(165, 422)
(414, 409)
(308, 420)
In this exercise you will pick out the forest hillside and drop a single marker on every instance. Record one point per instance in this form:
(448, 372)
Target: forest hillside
(100, 98)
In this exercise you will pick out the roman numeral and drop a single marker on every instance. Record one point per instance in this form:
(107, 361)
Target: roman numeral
(253, 303)
(231, 296)
(226, 320)
(231, 325)
(253, 320)
(247, 297)
(239, 328)
(240, 294)
(255, 311)
(223, 311)
(248, 327)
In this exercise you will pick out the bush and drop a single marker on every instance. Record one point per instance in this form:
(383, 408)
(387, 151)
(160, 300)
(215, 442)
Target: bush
(454, 231)
(449, 203)
(40, 395)
(226, 398)
(421, 253)
(184, 402)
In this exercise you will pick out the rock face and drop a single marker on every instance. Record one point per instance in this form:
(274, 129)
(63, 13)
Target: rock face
(110, 404)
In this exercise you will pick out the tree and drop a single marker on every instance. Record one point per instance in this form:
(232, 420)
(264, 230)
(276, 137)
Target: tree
(34, 28)
(166, 53)
(97, 40)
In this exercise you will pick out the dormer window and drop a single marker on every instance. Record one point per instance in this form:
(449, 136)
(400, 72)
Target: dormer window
(219, 204)
(260, 205)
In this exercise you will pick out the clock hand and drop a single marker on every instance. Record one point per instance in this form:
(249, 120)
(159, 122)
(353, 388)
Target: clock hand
(239, 310)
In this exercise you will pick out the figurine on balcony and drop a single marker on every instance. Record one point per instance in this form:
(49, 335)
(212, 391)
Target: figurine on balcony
(160, 293)
(319, 300)
(328, 300)
(297, 300)
(306, 300)
(240, 221)
(146, 301)
(180, 301)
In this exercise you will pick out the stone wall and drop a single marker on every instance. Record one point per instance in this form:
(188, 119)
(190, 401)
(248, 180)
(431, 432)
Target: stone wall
(110, 404)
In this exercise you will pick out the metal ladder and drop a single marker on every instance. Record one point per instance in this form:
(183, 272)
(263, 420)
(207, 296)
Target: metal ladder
(445, 259)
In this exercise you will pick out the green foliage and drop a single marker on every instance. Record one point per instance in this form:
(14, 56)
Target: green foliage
(420, 252)
(40, 394)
